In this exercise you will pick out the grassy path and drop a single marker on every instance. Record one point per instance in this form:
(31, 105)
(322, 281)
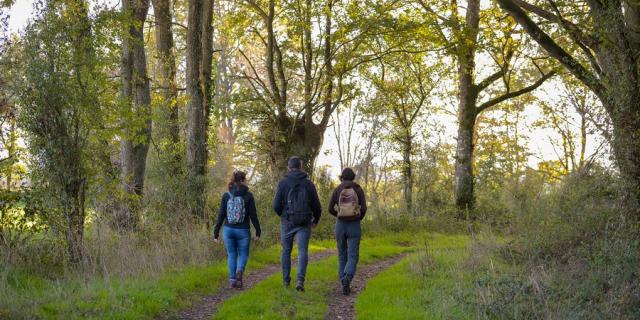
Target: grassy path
(342, 307)
(433, 282)
(208, 305)
(269, 300)
(436, 282)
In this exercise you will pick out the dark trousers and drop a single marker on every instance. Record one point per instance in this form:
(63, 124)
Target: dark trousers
(302, 235)
(348, 234)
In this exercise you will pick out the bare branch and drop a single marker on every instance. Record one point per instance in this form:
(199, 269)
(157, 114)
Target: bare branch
(489, 80)
(514, 94)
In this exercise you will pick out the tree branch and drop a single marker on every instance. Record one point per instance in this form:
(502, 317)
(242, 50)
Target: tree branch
(578, 70)
(489, 80)
(514, 94)
(578, 38)
(258, 9)
(571, 27)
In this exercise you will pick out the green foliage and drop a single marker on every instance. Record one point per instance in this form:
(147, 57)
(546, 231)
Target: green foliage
(64, 102)
(576, 252)
(571, 253)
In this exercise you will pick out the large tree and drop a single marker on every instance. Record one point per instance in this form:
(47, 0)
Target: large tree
(602, 52)
(168, 126)
(464, 33)
(198, 80)
(136, 94)
(299, 73)
(290, 130)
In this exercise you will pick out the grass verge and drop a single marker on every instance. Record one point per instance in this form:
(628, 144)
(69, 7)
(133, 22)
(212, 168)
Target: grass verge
(432, 283)
(141, 297)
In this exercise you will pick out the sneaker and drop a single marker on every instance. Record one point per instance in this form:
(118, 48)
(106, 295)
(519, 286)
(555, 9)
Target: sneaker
(286, 283)
(300, 286)
(346, 289)
(232, 283)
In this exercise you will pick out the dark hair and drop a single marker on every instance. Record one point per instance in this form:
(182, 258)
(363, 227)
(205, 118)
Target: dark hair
(294, 163)
(347, 174)
(237, 178)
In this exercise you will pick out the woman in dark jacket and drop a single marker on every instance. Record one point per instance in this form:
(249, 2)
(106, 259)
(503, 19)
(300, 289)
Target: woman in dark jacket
(348, 232)
(236, 209)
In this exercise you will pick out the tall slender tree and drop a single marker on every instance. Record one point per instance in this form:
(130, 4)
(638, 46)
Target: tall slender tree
(61, 111)
(168, 128)
(136, 94)
(198, 80)
(404, 83)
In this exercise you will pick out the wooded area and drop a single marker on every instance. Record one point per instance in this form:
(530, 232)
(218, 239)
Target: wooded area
(121, 122)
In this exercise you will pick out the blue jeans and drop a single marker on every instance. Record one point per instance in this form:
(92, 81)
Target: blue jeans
(348, 234)
(237, 243)
(302, 235)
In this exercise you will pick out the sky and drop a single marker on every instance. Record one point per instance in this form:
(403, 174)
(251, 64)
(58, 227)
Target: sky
(19, 14)
(538, 143)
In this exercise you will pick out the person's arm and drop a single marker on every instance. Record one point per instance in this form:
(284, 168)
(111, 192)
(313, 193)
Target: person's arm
(278, 200)
(363, 202)
(333, 201)
(316, 207)
(222, 214)
(253, 214)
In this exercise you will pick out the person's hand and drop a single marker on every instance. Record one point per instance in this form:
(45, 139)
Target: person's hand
(256, 238)
(215, 240)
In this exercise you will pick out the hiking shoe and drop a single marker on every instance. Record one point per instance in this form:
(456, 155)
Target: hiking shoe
(239, 279)
(346, 288)
(232, 283)
(300, 286)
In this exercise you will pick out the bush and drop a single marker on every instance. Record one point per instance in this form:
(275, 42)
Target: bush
(579, 255)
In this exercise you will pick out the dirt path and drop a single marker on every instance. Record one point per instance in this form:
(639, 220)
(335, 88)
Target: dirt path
(207, 306)
(342, 307)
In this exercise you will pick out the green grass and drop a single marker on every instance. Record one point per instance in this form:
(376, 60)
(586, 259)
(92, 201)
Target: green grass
(430, 284)
(269, 300)
(141, 297)
(144, 296)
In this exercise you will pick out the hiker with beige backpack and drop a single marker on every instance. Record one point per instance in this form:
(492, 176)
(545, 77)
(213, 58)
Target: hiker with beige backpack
(349, 206)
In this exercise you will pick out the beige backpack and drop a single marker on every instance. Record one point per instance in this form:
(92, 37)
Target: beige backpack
(348, 204)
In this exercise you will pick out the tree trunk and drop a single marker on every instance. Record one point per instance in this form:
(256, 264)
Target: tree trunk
(136, 93)
(168, 127)
(467, 95)
(626, 148)
(74, 216)
(11, 150)
(407, 171)
(464, 179)
(303, 141)
(226, 131)
(198, 79)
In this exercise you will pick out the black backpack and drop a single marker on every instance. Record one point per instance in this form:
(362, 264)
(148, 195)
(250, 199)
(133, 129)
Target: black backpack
(298, 212)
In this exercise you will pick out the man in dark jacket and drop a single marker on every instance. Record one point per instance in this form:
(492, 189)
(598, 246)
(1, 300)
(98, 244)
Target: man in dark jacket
(348, 230)
(294, 183)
